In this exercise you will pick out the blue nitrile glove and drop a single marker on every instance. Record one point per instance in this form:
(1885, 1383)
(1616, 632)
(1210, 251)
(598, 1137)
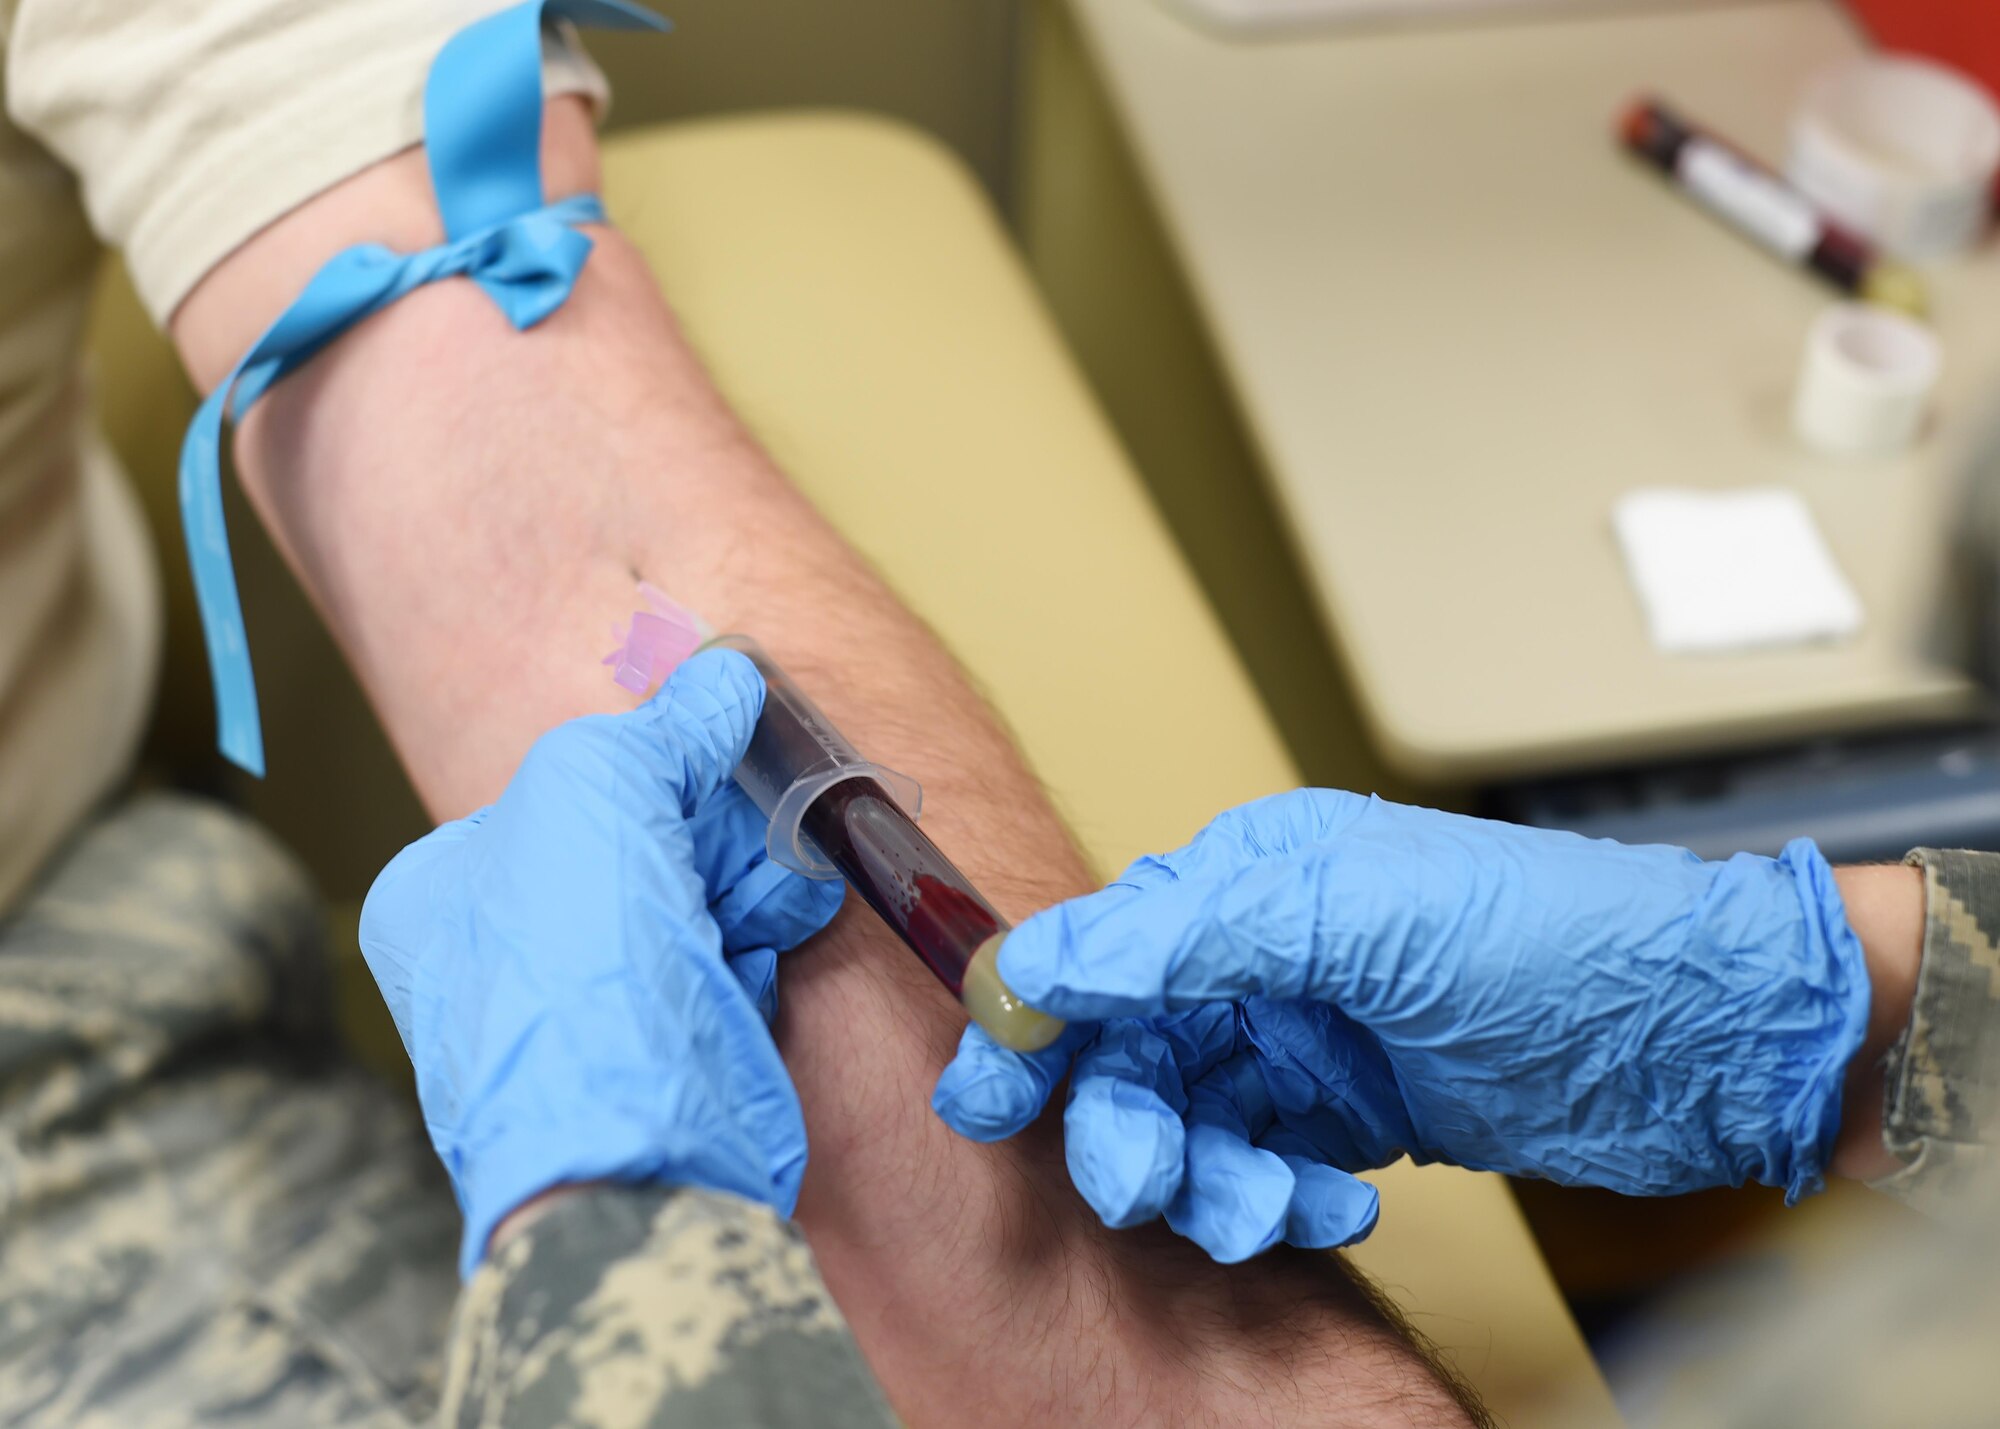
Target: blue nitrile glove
(581, 972)
(1167, 1116)
(1371, 979)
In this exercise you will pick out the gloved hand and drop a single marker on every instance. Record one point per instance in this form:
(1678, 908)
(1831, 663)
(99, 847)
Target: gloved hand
(1320, 983)
(582, 972)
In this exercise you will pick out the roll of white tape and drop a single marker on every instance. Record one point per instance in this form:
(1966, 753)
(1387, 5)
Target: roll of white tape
(1866, 381)
(1901, 150)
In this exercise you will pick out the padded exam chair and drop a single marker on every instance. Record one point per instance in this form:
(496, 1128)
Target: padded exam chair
(858, 301)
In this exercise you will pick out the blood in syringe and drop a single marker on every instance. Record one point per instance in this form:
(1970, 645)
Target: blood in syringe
(903, 876)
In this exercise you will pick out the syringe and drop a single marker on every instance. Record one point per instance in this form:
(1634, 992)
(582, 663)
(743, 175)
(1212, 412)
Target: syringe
(836, 815)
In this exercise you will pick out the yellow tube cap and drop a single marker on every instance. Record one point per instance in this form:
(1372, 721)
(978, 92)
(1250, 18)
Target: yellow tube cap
(1006, 1019)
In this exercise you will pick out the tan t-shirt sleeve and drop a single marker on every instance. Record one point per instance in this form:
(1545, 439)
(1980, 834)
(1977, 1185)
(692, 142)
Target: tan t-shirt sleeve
(191, 124)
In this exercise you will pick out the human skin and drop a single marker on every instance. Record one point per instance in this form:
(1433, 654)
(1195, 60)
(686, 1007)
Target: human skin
(1885, 907)
(470, 508)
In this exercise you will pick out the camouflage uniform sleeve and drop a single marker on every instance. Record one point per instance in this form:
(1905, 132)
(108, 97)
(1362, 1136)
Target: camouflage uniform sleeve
(1942, 1108)
(623, 1307)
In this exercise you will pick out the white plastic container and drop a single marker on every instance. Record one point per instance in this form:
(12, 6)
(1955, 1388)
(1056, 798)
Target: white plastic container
(1901, 150)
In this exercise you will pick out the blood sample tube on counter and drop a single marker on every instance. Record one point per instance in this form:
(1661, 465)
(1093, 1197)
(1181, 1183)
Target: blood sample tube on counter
(1764, 207)
(836, 815)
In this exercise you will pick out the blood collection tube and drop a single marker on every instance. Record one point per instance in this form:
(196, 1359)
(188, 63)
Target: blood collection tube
(836, 815)
(1764, 207)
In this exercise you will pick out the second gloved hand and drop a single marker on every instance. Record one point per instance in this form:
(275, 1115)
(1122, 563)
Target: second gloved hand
(1170, 1116)
(1370, 980)
(582, 972)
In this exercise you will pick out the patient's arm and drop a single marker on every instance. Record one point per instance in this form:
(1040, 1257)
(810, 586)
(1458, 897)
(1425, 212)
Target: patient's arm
(470, 509)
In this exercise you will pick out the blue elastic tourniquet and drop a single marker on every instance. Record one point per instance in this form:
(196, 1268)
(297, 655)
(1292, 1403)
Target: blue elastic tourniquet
(483, 135)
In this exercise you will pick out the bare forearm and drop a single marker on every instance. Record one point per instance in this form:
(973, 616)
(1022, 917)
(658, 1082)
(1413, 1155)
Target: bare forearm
(1885, 907)
(471, 509)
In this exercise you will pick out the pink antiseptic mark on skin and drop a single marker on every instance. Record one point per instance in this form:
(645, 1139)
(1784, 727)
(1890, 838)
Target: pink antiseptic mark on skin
(655, 641)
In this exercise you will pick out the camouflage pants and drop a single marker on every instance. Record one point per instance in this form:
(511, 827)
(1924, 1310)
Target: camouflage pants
(205, 1218)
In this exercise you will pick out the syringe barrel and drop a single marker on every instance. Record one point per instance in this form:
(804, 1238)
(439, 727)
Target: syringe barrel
(796, 755)
(836, 815)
